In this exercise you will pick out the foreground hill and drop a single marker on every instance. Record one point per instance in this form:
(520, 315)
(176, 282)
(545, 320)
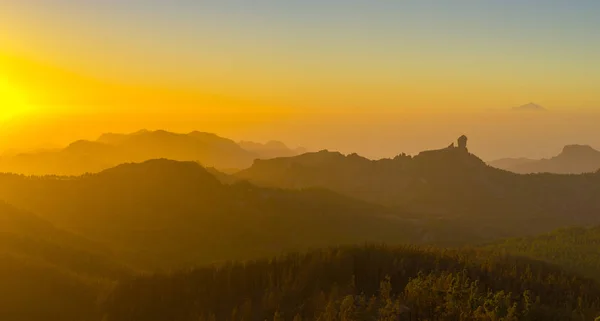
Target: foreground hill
(27, 236)
(575, 249)
(362, 283)
(113, 149)
(574, 159)
(59, 273)
(168, 214)
(449, 184)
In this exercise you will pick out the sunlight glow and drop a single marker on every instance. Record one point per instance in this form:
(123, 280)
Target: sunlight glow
(12, 101)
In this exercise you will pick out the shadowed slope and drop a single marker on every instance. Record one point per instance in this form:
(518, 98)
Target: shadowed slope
(450, 184)
(165, 214)
(50, 274)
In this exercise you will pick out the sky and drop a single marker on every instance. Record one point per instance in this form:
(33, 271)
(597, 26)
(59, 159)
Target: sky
(373, 77)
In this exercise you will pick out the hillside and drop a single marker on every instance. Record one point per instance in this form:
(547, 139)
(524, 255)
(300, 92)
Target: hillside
(61, 273)
(448, 184)
(164, 215)
(575, 249)
(28, 236)
(574, 159)
(110, 150)
(168, 214)
(362, 283)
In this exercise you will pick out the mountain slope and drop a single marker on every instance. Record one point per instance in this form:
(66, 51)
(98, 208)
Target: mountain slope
(168, 214)
(49, 274)
(27, 236)
(574, 159)
(449, 184)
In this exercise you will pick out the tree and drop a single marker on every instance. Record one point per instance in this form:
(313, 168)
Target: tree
(277, 316)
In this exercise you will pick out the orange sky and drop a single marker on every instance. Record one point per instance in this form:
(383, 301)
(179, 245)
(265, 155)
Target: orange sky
(394, 78)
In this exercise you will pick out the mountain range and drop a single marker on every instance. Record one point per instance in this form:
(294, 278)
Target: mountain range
(110, 150)
(83, 245)
(574, 159)
(164, 214)
(190, 215)
(449, 183)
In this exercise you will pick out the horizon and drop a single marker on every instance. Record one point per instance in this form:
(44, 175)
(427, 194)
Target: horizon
(407, 76)
(493, 133)
(554, 150)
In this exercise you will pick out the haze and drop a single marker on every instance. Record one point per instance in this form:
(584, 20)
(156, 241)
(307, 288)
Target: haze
(373, 78)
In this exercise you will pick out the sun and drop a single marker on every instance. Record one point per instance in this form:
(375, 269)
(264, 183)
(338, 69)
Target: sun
(12, 101)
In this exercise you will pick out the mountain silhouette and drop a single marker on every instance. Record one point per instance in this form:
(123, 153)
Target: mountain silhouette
(111, 149)
(385, 181)
(530, 107)
(163, 215)
(448, 183)
(271, 149)
(574, 159)
(169, 214)
(206, 148)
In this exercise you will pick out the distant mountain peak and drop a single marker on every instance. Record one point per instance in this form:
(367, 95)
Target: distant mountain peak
(530, 107)
(271, 149)
(142, 131)
(579, 150)
(159, 170)
(85, 145)
(574, 159)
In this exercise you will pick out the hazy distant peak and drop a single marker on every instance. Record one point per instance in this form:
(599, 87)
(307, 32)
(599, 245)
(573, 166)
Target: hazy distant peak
(80, 142)
(574, 159)
(158, 169)
(272, 144)
(111, 138)
(202, 134)
(300, 150)
(270, 149)
(579, 150)
(141, 132)
(275, 144)
(158, 133)
(530, 107)
(81, 145)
